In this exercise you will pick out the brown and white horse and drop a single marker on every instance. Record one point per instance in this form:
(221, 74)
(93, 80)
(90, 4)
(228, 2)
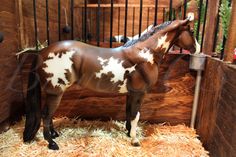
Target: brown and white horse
(131, 69)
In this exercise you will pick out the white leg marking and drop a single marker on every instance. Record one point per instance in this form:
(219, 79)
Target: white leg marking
(134, 124)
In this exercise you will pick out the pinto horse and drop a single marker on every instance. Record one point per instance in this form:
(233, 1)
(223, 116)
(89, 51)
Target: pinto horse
(131, 69)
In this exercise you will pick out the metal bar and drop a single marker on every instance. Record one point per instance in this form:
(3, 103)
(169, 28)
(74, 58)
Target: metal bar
(140, 17)
(118, 23)
(111, 23)
(85, 21)
(156, 12)
(98, 23)
(47, 23)
(224, 41)
(199, 20)
(164, 12)
(203, 31)
(133, 22)
(185, 8)
(82, 31)
(35, 25)
(103, 21)
(148, 12)
(216, 28)
(72, 18)
(59, 20)
(170, 10)
(126, 15)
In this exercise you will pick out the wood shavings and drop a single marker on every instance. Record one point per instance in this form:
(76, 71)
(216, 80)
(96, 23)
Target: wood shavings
(96, 138)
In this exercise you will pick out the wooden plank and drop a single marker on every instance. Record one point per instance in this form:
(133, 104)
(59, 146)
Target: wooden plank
(217, 109)
(20, 23)
(210, 30)
(231, 41)
(10, 80)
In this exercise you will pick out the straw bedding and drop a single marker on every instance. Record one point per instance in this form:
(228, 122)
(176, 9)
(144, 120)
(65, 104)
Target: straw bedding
(97, 138)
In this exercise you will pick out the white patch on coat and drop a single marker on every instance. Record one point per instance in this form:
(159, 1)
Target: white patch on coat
(57, 66)
(134, 124)
(123, 87)
(197, 47)
(162, 43)
(145, 53)
(115, 67)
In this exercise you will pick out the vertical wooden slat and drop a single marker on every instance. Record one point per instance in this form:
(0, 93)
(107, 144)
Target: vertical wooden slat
(204, 25)
(210, 30)
(20, 21)
(231, 41)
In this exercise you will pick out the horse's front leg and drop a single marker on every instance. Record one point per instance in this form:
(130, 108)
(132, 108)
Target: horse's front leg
(133, 103)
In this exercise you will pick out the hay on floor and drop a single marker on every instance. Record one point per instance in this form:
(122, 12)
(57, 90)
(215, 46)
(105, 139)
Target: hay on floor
(96, 138)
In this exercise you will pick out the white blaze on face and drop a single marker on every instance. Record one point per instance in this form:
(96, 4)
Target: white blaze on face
(147, 55)
(115, 67)
(162, 43)
(197, 46)
(58, 66)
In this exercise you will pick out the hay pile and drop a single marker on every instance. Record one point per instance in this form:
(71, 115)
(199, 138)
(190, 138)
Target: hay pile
(96, 138)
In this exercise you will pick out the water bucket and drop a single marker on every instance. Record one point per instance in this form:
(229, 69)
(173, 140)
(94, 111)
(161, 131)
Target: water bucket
(197, 61)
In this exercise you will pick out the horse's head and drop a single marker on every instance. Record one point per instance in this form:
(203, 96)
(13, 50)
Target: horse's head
(185, 38)
(178, 33)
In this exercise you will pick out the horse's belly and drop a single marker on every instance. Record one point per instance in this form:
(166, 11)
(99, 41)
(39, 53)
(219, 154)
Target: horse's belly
(103, 84)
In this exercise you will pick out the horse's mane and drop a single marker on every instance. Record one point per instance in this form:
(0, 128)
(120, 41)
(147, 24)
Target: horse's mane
(148, 34)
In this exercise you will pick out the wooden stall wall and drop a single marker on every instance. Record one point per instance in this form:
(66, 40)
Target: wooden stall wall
(217, 109)
(11, 96)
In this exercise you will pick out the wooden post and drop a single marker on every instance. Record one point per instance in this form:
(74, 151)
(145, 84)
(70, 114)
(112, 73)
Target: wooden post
(231, 41)
(20, 24)
(212, 12)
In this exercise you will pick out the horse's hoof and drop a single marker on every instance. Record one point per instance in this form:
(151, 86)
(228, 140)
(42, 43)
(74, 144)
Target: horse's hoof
(135, 142)
(53, 146)
(54, 134)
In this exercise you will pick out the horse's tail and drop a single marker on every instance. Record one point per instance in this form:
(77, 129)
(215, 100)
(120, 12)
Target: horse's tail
(33, 104)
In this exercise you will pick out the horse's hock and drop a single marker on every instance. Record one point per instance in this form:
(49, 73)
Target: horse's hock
(89, 122)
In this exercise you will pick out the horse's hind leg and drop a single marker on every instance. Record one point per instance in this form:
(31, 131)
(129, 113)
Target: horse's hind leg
(133, 103)
(52, 102)
(53, 132)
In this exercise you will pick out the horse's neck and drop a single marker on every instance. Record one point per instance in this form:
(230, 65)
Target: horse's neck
(156, 46)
